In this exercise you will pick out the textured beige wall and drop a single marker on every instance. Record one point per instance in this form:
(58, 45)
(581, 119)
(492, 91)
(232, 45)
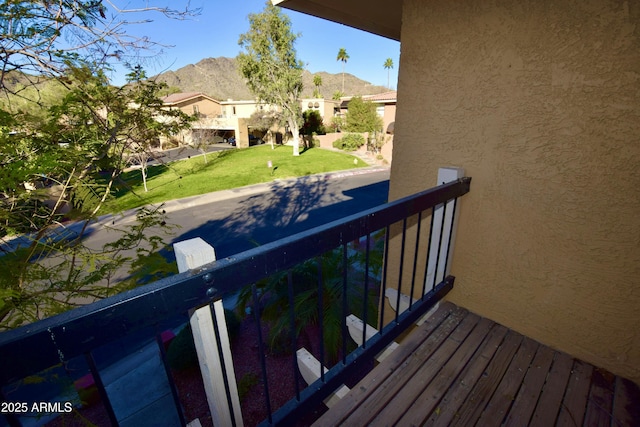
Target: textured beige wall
(540, 102)
(205, 106)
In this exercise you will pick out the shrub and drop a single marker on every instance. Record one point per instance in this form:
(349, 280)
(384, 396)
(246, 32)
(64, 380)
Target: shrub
(246, 383)
(349, 142)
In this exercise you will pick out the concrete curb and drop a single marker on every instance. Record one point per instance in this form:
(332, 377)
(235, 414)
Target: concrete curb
(177, 205)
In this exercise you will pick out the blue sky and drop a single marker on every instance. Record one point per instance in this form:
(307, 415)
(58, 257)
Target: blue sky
(216, 31)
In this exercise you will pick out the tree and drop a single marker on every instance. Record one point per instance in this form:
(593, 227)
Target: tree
(147, 120)
(44, 38)
(270, 65)
(388, 65)
(312, 125)
(362, 116)
(66, 135)
(342, 56)
(265, 120)
(317, 82)
(79, 149)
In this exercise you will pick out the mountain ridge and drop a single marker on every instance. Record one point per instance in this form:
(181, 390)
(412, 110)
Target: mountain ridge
(220, 79)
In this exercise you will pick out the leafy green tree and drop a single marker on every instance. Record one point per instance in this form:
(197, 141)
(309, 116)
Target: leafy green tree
(312, 126)
(388, 65)
(337, 95)
(342, 56)
(312, 123)
(66, 135)
(362, 116)
(270, 65)
(76, 154)
(44, 38)
(317, 82)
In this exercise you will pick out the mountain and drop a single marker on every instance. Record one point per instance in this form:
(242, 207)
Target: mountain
(220, 79)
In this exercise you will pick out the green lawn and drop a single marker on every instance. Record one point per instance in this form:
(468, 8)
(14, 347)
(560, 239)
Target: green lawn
(224, 170)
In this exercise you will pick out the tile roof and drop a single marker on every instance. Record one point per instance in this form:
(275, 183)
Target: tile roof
(385, 96)
(183, 96)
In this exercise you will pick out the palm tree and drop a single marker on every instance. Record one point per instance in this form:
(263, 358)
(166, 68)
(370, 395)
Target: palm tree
(388, 65)
(342, 56)
(317, 82)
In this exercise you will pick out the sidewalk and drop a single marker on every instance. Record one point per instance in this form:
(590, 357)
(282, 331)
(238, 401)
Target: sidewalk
(70, 230)
(203, 199)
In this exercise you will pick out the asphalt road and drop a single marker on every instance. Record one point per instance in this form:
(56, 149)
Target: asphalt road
(264, 213)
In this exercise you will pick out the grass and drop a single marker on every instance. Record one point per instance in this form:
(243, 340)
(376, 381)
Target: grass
(224, 170)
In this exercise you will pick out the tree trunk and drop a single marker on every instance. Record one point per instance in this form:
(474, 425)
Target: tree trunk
(295, 136)
(143, 169)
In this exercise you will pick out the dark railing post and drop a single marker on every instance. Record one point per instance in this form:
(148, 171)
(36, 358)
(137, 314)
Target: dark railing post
(102, 391)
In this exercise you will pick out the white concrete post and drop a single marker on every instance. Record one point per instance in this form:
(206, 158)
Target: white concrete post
(191, 254)
(436, 274)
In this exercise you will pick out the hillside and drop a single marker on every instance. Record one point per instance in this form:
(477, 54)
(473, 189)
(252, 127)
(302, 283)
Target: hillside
(220, 79)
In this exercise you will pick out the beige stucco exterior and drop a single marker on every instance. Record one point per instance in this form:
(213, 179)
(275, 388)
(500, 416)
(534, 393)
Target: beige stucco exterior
(197, 104)
(539, 101)
(326, 107)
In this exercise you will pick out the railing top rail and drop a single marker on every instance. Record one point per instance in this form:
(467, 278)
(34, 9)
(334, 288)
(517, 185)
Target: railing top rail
(70, 334)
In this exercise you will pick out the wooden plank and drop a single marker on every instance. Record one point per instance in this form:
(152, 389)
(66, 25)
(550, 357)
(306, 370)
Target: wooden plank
(427, 401)
(429, 354)
(575, 397)
(472, 408)
(356, 327)
(626, 403)
(191, 254)
(458, 392)
(502, 399)
(600, 401)
(549, 402)
(426, 338)
(310, 367)
(404, 397)
(531, 388)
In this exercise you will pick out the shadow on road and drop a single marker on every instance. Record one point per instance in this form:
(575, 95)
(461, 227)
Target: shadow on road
(286, 209)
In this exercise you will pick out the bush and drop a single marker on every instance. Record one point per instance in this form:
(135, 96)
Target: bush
(349, 142)
(246, 383)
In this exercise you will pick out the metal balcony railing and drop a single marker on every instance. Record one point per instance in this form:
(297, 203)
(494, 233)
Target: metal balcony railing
(85, 340)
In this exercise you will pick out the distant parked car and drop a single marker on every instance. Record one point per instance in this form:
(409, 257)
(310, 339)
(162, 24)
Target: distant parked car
(254, 140)
(232, 141)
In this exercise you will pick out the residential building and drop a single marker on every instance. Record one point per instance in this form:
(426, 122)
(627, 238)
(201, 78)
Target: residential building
(538, 101)
(385, 107)
(223, 120)
(194, 103)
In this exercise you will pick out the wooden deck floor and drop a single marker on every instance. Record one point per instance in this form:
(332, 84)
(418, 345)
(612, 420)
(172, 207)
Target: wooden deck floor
(462, 369)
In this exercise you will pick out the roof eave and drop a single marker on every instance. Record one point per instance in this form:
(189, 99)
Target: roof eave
(380, 17)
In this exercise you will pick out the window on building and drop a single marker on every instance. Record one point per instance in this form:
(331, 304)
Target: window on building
(196, 109)
(380, 110)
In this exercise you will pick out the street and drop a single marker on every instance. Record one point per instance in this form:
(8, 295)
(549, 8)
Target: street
(269, 212)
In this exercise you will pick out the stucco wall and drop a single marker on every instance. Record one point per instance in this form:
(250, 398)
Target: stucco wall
(540, 102)
(204, 106)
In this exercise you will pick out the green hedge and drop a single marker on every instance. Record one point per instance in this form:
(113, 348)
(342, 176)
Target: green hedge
(349, 142)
